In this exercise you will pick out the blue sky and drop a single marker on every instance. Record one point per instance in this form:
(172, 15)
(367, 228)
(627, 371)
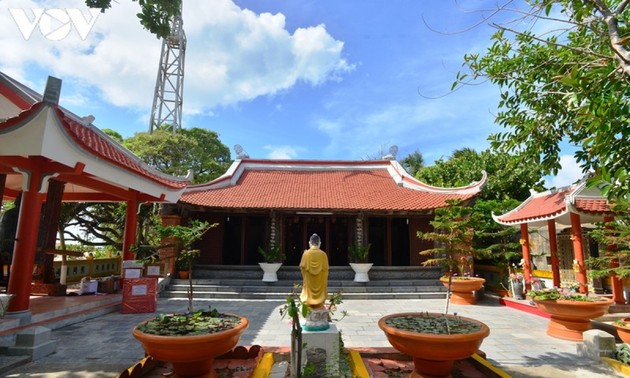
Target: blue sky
(297, 79)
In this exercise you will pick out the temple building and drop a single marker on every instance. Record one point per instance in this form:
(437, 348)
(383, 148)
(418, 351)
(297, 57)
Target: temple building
(558, 221)
(282, 202)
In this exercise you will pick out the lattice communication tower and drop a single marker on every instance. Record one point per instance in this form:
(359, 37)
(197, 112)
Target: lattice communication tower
(169, 86)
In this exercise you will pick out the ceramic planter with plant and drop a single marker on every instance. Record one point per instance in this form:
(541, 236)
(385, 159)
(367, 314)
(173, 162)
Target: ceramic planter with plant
(190, 341)
(622, 326)
(570, 313)
(274, 257)
(359, 255)
(453, 234)
(433, 340)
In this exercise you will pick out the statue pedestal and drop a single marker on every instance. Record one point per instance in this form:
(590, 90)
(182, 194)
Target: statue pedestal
(317, 320)
(322, 351)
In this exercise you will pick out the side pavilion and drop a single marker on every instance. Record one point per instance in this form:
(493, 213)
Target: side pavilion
(573, 206)
(258, 202)
(49, 155)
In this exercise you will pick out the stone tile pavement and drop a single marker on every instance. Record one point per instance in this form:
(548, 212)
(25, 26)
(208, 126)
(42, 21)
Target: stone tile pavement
(518, 344)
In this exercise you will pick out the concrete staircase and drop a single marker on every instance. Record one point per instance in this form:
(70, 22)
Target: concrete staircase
(245, 282)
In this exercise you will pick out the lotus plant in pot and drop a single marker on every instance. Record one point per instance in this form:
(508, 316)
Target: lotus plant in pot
(359, 255)
(191, 341)
(274, 257)
(570, 312)
(436, 340)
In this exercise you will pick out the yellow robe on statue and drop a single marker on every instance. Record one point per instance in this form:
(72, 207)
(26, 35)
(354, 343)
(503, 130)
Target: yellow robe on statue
(314, 267)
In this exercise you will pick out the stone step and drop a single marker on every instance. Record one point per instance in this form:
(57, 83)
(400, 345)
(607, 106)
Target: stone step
(341, 273)
(282, 296)
(200, 288)
(290, 283)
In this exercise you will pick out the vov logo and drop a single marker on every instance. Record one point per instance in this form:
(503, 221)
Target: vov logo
(54, 24)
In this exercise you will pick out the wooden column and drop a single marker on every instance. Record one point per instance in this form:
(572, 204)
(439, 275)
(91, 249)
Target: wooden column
(3, 181)
(615, 281)
(553, 248)
(527, 269)
(25, 244)
(131, 229)
(168, 255)
(578, 252)
(48, 230)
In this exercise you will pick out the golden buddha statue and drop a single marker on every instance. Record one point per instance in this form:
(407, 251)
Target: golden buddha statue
(314, 267)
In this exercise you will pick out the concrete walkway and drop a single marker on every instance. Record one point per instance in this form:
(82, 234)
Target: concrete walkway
(518, 344)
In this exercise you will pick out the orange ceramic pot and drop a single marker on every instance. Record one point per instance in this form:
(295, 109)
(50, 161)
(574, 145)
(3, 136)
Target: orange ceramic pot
(433, 355)
(191, 356)
(462, 289)
(569, 319)
(623, 331)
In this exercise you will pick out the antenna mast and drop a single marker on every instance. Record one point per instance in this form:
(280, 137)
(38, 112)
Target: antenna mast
(169, 86)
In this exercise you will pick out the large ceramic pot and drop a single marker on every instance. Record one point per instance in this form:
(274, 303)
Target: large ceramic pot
(569, 319)
(462, 289)
(623, 331)
(433, 354)
(191, 356)
(361, 271)
(270, 271)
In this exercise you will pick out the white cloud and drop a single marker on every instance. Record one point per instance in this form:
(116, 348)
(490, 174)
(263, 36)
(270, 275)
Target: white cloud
(232, 55)
(282, 152)
(568, 174)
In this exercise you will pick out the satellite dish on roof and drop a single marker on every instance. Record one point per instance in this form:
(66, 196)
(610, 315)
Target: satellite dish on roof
(240, 152)
(393, 150)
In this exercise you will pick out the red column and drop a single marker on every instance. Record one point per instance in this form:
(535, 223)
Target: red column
(553, 248)
(527, 269)
(25, 245)
(131, 229)
(578, 252)
(615, 281)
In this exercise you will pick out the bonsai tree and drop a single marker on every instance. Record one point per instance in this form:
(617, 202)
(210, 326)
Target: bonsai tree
(614, 237)
(183, 237)
(454, 228)
(273, 255)
(359, 253)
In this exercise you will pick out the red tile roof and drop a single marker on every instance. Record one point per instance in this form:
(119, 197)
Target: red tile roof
(321, 185)
(592, 205)
(99, 145)
(537, 207)
(553, 204)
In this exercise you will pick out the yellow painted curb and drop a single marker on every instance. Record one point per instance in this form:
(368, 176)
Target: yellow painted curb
(263, 369)
(358, 367)
(617, 366)
(489, 366)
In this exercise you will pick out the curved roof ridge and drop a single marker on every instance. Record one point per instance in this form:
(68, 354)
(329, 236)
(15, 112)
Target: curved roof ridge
(103, 146)
(411, 182)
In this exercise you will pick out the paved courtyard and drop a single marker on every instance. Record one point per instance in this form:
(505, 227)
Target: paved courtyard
(518, 344)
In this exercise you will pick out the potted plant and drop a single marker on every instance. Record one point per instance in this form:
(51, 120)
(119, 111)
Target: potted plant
(183, 237)
(453, 233)
(623, 329)
(273, 261)
(570, 312)
(359, 255)
(434, 340)
(190, 341)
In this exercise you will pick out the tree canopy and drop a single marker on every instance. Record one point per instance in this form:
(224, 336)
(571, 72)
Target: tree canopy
(567, 82)
(155, 15)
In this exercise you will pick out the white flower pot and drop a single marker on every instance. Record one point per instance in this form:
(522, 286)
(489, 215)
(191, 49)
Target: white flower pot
(361, 271)
(270, 271)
